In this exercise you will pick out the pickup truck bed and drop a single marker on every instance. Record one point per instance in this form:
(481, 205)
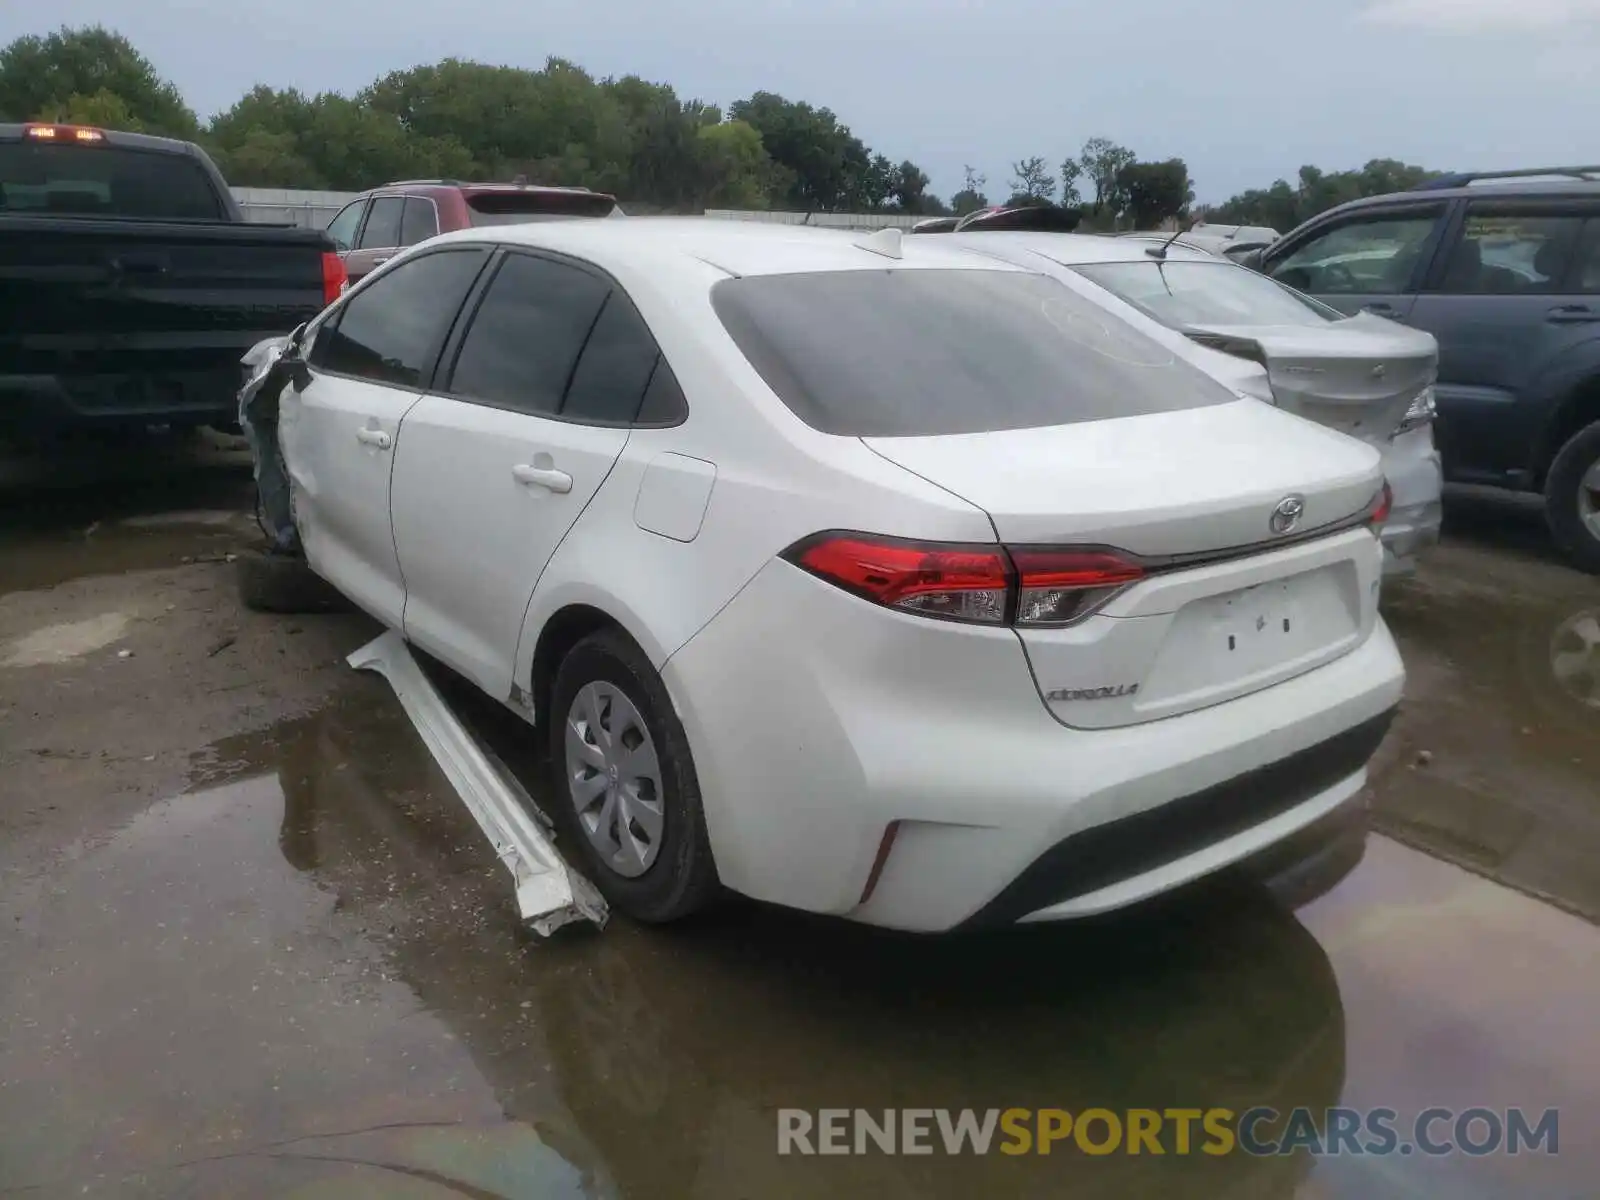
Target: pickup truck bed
(114, 319)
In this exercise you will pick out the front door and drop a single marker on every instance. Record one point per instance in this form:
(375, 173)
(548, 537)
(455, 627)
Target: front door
(496, 465)
(368, 366)
(1371, 260)
(1505, 305)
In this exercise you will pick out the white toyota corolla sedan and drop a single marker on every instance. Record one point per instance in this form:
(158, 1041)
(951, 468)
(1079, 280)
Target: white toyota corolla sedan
(869, 576)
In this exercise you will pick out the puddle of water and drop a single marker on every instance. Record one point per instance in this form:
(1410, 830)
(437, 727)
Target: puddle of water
(48, 539)
(317, 942)
(1495, 762)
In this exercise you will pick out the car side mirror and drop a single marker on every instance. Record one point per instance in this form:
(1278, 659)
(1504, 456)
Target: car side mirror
(1255, 260)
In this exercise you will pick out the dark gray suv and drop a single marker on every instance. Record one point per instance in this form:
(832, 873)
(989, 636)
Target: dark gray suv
(1504, 270)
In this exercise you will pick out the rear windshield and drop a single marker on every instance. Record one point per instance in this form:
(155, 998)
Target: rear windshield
(916, 352)
(104, 181)
(1185, 293)
(519, 208)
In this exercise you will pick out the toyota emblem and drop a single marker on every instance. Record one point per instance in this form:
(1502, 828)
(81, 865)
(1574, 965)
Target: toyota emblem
(1286, 517)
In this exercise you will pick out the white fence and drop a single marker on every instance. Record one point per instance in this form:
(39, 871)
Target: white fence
(313, 210)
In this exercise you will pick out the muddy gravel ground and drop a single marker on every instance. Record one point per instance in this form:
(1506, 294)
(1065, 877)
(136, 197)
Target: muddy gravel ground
(250, 945)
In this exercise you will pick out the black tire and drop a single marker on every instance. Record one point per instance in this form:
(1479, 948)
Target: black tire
(1562, 498)
(683, 877)
(284, 583)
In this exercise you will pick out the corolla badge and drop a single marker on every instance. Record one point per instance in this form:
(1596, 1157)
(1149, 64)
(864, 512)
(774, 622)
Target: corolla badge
(1286, 516)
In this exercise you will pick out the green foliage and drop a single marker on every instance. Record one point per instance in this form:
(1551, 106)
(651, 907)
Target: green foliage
(1032, 182)
(1284, 205)
(1155, 191)
(93, 76)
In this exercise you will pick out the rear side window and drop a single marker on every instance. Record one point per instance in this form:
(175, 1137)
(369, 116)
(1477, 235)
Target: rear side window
(383, 225)
(510, 207)
(391, 330)
(105, 181)
(917, 352)
(524, 341)
(420, 221)
(1504, 252)
(615, 368)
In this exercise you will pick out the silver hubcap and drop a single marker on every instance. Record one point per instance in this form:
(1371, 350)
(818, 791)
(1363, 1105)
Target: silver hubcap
(614, 778)
(1575, 657)
(1589, 498)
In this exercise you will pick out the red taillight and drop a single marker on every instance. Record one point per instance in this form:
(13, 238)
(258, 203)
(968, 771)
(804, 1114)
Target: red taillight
(1382, 504)
(986, 585)
(334, 277)
(957, 583)
(63, 133)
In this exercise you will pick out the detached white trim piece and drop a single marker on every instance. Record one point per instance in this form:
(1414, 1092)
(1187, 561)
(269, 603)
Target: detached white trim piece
(549, 893)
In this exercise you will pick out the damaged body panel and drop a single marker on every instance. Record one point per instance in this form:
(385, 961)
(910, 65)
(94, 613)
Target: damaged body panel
(549, 893)
(267, 372)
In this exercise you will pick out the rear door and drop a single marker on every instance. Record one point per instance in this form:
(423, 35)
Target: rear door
(1370, 260)
(379, 240)
(368, 366)
(1503, 302)
(534, 402)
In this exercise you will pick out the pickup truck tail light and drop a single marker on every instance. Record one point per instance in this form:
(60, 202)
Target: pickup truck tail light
(63, 133)
(974, 584)
(334, 277)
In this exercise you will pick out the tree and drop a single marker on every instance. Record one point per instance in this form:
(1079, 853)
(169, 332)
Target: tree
(1102, 161)
(1155, 191)
(736, 171)
(1071, 174)
(831, 167)
(970, 198)
(93, 72)
(1284, 205)
(104, 110)
(1032, 182)
(909, 191)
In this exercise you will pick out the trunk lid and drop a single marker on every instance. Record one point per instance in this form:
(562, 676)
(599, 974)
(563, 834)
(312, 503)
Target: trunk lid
(1357, 376)
(1231, 604)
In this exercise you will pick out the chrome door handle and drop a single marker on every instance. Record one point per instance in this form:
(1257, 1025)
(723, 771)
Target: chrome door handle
(378, 262)
(373, 437)
(545, 477)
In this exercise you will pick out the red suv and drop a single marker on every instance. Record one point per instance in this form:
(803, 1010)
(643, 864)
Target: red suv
(378, 224)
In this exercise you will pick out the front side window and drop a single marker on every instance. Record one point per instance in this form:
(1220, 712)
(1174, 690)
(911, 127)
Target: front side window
(1182, 293)
(391, 330)
(1371, 256)
(1503, 252)
(915, 352)
(383, 226)
(524, 341)
(342, 229)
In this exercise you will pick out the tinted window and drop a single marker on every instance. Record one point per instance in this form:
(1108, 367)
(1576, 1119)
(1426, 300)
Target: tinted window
(1180, 294)
(104, 181)
(617, 362)
(524, 341)
(390, 330)
(1373, 256)
(664, 403)
(419, 223)
(520, 207)
(383, 226)
(907, 352)
(1588, 279)
(342, 229)
(1503, 252)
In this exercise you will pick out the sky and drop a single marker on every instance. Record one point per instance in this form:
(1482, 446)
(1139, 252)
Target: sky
(1244, 90)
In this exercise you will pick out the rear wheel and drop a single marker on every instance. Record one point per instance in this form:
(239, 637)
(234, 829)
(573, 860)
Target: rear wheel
(1572, 498)
(627, 795)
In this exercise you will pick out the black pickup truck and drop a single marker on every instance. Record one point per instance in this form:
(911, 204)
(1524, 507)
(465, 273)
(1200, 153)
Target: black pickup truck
(130, 284)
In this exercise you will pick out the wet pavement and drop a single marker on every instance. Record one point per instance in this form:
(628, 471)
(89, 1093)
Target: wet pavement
(262, 951)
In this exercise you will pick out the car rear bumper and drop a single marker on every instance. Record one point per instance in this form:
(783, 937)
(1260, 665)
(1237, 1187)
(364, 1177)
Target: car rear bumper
(44, 404)
(1412, 466)
(812, 746)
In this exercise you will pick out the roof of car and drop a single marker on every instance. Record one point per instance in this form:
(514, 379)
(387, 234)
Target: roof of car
(1482, 189)
(1073, 249)
(735, 247)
